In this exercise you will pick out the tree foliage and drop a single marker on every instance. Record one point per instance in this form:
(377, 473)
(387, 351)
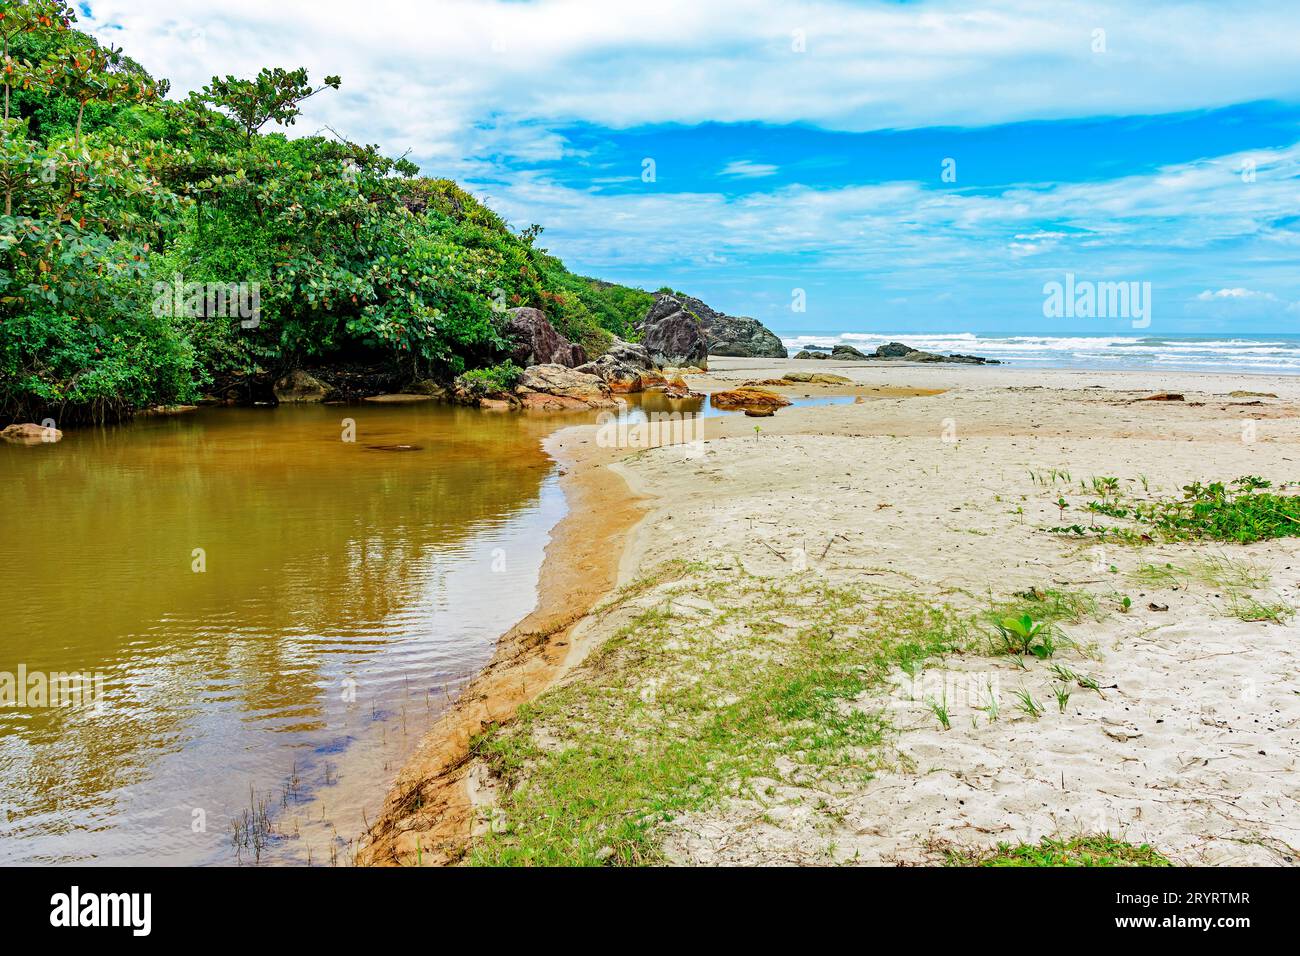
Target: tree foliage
(113, 194)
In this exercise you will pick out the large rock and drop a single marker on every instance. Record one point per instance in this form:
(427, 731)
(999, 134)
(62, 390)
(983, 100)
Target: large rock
(625, 367)
(805, 354)
(734, 335)
(553, 387)
(847, 353)
(673, 335)
(533, 341)
(893, 350)
(298, 386)
(29, 433)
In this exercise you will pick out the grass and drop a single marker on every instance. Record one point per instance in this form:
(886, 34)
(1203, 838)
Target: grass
(716, 685)
(1096, 850)
(1241, 511)
(713, 688)
(1247, 608)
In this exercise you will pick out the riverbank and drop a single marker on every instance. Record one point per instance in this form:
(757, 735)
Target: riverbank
(797, 665)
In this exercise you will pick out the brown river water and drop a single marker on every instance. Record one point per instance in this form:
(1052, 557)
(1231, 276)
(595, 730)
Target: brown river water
(270, 615)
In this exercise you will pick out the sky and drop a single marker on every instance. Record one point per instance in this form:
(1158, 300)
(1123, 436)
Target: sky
(828, 166)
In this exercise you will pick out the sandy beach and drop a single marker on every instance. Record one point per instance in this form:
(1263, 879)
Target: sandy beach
(689, 575)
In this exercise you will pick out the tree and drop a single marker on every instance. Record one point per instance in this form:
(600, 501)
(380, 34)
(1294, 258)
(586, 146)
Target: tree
(274, 94)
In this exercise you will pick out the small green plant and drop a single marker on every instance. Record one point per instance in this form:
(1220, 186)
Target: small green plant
(1062, 694)
(1125, 604)
(489, 380)
(1027, 703)
(1023, 635)
(940, 710)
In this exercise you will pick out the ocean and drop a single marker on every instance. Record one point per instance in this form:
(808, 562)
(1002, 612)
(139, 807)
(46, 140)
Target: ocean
(1275, 353)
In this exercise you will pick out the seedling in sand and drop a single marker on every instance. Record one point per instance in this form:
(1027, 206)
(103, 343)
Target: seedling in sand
(941, 711)
(1023, 635)
(1028, 704)
(1062, 694)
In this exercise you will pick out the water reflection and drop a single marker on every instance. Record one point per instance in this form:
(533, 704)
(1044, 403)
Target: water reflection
(343, 592)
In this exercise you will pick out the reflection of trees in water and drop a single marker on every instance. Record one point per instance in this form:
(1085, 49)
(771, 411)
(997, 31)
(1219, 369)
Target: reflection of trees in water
(311, 546)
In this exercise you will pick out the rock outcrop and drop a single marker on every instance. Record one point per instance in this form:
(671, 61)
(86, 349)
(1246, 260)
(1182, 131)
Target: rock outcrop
(533, 341)
(554, 387)
(298, 386)
(673, 335)
(625, 367)
(738, 336)
(895, 351)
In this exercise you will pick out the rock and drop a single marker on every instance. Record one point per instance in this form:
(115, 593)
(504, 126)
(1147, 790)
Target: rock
(533, 341)
(298, 386)
(554, 387)
(1242, 393)
(916, 355)
(756, 400)
(672, 335)
(1163, 397)
(165, 410)
(847, 353)
(677, 388)
(29, 433)
(738, 336)
(625, 367)
(817, 378)
(893, 350)
(805, 354)
(428, 386)
(397, 398)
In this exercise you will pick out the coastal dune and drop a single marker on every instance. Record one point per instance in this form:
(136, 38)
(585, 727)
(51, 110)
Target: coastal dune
(934, 490)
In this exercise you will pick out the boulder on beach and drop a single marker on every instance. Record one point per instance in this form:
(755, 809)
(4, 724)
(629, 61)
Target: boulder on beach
(532, 340)
(736, 336)
(817, 378)
(553, 387)
(673, 335)
(29, 433)
(805, 354)
(847, 353)
(625, 367)
(298, 386)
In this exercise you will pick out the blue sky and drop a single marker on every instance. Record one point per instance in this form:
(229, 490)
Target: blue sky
(802, 146)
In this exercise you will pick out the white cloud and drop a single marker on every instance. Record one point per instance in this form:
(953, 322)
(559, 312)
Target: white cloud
(1237, 293)
(451, 79)
(744, 169)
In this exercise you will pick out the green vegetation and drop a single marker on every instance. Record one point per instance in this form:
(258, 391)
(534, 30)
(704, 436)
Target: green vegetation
(1100, 850)
(719, 685)
(494, 378)
(684, 707)
(1240, 511)
(131, 220)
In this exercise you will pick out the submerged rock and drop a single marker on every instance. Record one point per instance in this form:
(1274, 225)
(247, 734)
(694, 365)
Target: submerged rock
(758, 401)
(817, 378)
(398, 398)
(29, 433)
(298, 386)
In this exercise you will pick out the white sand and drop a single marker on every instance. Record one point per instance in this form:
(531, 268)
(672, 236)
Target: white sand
(1194, 745)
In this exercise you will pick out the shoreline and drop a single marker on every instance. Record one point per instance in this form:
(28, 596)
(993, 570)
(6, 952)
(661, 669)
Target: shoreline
(796, 478)
(430, 811)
